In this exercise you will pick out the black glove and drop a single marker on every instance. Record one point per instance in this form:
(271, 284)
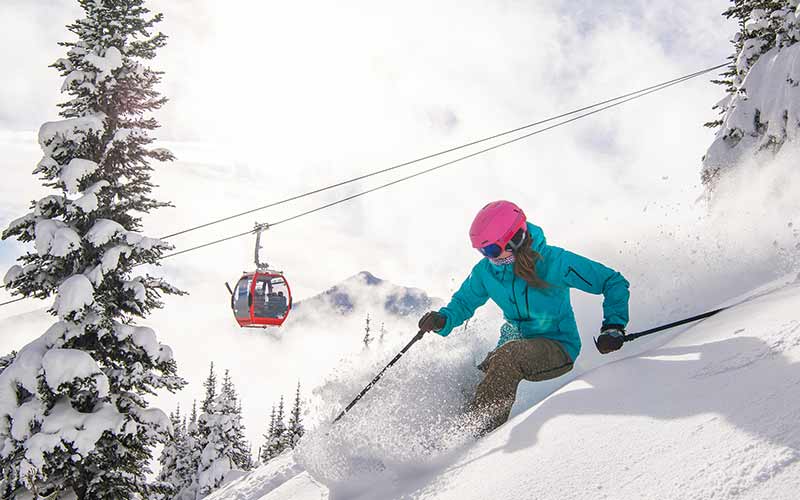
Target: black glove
(431, 321)
(611, 338)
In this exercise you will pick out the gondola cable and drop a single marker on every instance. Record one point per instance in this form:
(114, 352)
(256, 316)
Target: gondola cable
(642, 91)
(437, 167)
(614, 102)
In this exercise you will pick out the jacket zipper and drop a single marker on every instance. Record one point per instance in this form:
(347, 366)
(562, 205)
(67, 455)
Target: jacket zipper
(514, 296)
(528, 307)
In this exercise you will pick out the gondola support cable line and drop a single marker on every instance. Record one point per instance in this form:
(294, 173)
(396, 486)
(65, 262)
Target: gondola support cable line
(614, 102)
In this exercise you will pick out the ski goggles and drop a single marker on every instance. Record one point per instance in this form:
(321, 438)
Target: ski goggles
(494, 250)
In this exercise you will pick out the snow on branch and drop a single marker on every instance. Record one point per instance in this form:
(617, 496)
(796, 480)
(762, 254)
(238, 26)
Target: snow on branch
(54, 135)
(64, 366)
(74, 294)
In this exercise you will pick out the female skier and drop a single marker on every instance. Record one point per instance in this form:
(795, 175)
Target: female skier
(530, 281)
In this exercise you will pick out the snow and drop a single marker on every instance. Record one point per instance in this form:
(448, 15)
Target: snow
(46, 205)
(64, 242)
(88, 202)
(260, 481)
(62, 366)
(52, 134)
(161, 151)
(124, 134)
(708, 413)
(153, 417)
(771, 89)
(13, 273)
(142, 242)
(45, 232)
(55, 238)
(23, 373)
(24, 417)
(102, 231)
(110, 259)
(139, 290)
(75, 293)
(76, 77)
(145, 338)
(300, 487)
(72, 173)
(64, 424)
(107, 63)
(46, 163)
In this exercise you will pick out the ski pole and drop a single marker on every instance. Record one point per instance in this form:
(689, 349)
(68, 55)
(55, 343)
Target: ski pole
(633, 336)
(379, 375)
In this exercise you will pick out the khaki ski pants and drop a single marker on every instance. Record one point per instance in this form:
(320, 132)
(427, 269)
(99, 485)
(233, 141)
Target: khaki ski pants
(525, 359)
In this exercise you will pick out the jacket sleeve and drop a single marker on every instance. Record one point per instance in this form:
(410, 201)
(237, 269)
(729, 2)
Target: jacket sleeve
(584, 274)
(469, 297)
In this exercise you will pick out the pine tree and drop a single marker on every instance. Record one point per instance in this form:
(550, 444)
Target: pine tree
(757, 34)
(278, 437)
(383, 333)
(241, 456)
(265, 455)
(189, 459)
(248, 463)
(765, 26)
(296, 430)
(210, 386)
(170, 456)
(206, 408)
(94, 365)
(225, 448)
(193, 417)
(367, 337)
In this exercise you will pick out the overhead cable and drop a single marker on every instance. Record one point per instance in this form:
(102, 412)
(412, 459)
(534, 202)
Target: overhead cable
(450, 150)
(442, 165)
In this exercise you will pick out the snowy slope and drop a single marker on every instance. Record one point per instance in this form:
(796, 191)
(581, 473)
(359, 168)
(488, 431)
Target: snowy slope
(713, 413)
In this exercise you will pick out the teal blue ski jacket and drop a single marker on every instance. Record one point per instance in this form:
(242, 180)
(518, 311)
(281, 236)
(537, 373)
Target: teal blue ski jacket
(538, 312)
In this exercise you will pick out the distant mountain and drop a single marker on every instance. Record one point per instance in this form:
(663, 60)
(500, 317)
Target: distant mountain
(367, 292)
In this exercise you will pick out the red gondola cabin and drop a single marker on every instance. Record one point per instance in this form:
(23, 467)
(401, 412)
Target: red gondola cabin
(261, 299)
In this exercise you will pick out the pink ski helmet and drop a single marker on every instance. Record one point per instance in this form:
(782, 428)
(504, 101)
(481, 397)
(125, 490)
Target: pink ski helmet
(496, 224)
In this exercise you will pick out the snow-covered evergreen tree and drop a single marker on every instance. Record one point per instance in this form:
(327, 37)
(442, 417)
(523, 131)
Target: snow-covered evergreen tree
(189, 459)
(265, 453)
(280, 435)
(225, 448)
(210, 385)
(367, 337)
(248, 462)
(170, 455)
(296, 429)
(241, 457)
(277, 437)
(74, 420)
(760, 111)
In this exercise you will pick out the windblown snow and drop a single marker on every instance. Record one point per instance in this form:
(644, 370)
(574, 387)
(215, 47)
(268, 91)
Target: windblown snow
(709, 413)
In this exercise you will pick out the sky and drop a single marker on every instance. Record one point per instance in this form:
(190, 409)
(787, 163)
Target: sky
(271, 99)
